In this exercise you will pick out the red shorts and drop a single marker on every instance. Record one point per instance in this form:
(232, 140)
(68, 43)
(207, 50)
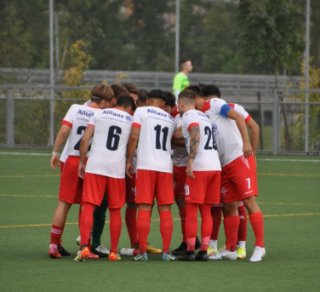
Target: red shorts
(204, 188)
(131, 189)
(237, 181)
(70, 190)
(152, 184)
(96, 186)
(179, 179)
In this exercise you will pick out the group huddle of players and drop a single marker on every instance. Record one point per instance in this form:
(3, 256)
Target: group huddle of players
(139, 148)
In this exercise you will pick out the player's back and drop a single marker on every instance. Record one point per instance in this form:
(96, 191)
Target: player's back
(77, 118)
(207, 156)
(226, 132)
(108, 150)
(156, 130)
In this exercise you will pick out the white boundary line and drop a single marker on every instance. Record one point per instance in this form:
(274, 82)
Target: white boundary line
(25, 154)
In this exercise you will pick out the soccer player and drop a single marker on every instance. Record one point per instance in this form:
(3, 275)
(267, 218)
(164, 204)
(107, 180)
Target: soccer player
(202, 186)
(234, 148)
(70, 190)
(181, 80)
(104, 172)
(153, 128)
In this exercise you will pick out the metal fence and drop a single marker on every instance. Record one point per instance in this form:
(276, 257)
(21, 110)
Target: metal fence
(25, 116)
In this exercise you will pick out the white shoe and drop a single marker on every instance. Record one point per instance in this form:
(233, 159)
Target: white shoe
(258, 254)
(102, 251)
(214, 255)
(78, 239)
(228, 255)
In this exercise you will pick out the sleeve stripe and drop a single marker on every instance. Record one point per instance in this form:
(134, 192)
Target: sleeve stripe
(225, 110)
(90, 126)
(206, 106)
(247, 119)
(193, 125)
(66, 123)
(136, 125)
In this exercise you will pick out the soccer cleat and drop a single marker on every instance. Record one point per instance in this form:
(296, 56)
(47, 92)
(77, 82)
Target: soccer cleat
(258, 254)
(168, 257)
(202, 256)
(214, 256)
(63, 251)
(113, 257)
(101, 251)
(211, 250)
(78, 239)
(129, 251)
(152, 249)
(228, 255)
(141, 257)
(188, 256)
(241, 252)
(181, 250)
(54, 252)
(198, 243)
(85, 254)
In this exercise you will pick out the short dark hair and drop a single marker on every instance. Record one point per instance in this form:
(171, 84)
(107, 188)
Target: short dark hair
(100, 92)
(170, 99)
(125, 101)
(119, 89)
(187, 94)
(132, 88)
(210, 90)
(182, 61)
(142, 96)
(196, 89)
(157, 93)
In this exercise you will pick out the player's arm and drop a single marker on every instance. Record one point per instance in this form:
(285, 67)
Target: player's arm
(194, 133)
(254, 134)
(61, 138)
(247, 148)
(178, 139)
(84, 147)
(132, 146)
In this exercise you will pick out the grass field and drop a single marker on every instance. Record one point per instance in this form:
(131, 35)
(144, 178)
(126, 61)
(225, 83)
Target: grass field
(289, 196)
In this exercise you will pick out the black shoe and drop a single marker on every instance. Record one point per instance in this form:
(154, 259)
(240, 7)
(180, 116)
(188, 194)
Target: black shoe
(202, 255)
(181, 250)
(198, 243)
(63, 252)
(101, 251)
(188, 256)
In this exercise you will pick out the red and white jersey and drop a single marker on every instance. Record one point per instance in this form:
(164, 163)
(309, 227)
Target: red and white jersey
(241, 111)
(179, 154)
(207, 158)
(77, 119)
(156, 130)
(226, 132)
(107, 156)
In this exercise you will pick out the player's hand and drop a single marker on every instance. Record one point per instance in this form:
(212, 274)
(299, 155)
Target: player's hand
(189, 169)
(54, 162)
(81, 170)
(129, 169)
(247, 149)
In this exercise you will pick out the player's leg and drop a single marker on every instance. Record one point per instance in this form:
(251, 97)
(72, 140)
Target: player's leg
(242, 233)
(99, 219)
(206, 229)
(57, 227)
(131, 223)
(115, 231)
(257, 223)
(216, 213)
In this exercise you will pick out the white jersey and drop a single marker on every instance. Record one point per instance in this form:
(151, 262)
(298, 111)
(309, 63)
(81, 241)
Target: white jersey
(226, 132)
(156, 130)
(241, 111)
(179, 154)
(77, 118)
(107, 156)
(207, 158)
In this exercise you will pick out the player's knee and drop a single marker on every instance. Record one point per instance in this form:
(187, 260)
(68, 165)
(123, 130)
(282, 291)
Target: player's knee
(251, 204)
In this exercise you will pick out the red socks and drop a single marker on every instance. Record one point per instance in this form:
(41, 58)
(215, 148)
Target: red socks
(131, 222)
(86, 222)
(115, 228)
(166, 228)
(256, 220)
(242, 233)
(231, 226)
(56, 234)
(216, 217)
(206, 226)
(182, 212)
(191, 225)
(143, 228)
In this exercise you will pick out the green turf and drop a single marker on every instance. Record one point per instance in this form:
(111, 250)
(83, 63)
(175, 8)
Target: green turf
(289, 197)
